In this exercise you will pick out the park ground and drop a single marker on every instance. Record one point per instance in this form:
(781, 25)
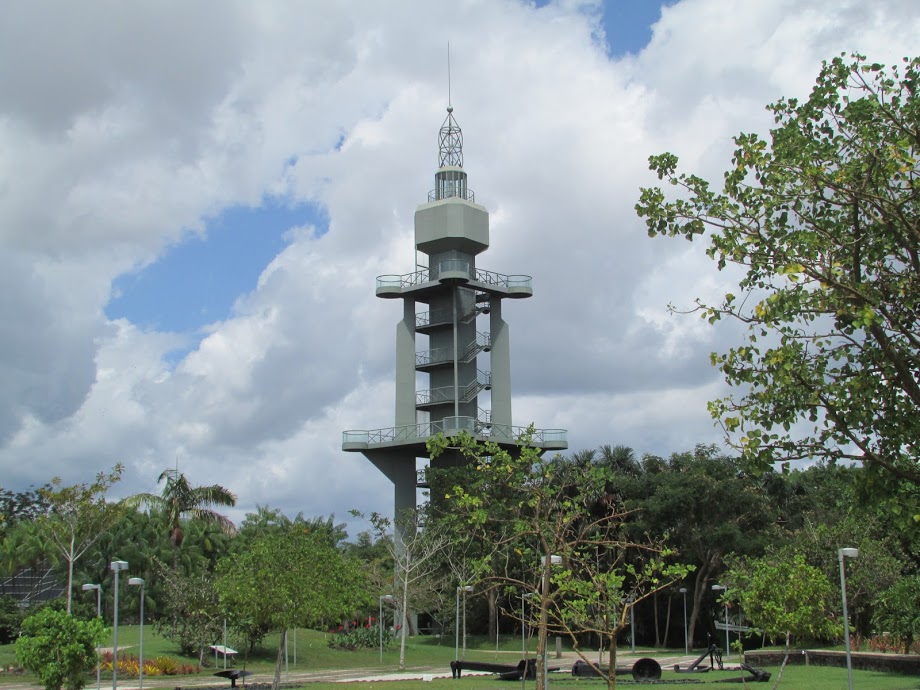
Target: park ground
(427, 667)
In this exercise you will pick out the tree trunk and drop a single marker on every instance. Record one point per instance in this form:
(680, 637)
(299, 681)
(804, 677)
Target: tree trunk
(699, 588)
(492, 598)
(404, 609)
(612, 674)
(69, 580)
(667, 621)
(281, 645)
(779, 676)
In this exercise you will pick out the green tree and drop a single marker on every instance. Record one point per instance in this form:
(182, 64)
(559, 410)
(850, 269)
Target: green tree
(77, 517)
(783, 597)
(10, 619)
(289, 579)
(706, 503)
(59, 648)
(180, 500)
(562, 522)
(20, 506)
(822, 221)
(194, 618)
(898, 611)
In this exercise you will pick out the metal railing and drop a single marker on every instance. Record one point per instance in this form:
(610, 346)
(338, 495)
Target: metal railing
(503, 433)
(445, 394)
(444, 355)
(464, 193)
(482, 276)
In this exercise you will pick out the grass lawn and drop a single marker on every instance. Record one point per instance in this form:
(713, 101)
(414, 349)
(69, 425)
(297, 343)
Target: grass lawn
(313, 654)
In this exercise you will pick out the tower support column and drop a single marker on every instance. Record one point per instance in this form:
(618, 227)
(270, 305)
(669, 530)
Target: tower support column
(500, 364)
(405, 367)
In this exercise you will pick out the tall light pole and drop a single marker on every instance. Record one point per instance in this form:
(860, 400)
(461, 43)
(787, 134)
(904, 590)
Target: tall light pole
(98, 588)
(464, 589)
(117, 567)
(548, 561)
(524, 597)
(722, 588)
(139, 582)
(848, 553)
(632, 621)
(683, 590)
(388, 598)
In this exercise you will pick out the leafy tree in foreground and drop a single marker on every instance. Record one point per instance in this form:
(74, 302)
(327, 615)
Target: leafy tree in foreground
(528, 510)
(194, 618)
(59, 648)
(898, 611)
(287, 579)
(783, 596)
(77, 517)
(823, 221)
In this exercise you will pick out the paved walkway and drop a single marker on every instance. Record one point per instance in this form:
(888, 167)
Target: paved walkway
(625, 659)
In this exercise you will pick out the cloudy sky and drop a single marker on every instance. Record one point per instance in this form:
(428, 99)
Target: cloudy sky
(196, 198)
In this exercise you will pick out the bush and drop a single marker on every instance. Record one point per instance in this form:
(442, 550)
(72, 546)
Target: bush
(10, 619)
(359, 638)
(59, 648)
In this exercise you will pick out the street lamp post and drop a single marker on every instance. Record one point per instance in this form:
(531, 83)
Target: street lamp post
(848, 553)
(632, 621)
(388, 598)
(117, 567)
(139, 582)
(683, 590)
(722, 588)
(464, 589)
(98, 588)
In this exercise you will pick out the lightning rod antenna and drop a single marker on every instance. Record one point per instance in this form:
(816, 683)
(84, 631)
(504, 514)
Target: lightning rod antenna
(449, 104)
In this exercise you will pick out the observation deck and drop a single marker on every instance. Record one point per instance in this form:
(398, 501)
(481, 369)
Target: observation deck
(453, 272)
(414, 436)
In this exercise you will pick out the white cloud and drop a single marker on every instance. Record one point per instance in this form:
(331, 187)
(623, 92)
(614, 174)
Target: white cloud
(126, 125)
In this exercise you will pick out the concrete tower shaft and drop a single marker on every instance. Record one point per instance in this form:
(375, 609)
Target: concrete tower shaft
(453, 349)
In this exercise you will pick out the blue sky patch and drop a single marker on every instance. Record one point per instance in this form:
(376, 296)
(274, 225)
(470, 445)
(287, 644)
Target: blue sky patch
(197, 281)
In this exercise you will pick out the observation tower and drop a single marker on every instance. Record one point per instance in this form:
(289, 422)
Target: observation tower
(452, 344)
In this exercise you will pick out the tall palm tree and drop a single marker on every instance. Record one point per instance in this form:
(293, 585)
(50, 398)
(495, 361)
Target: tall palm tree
(180, 500)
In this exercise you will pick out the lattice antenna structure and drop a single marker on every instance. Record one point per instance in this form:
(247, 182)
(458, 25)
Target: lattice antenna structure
(450, 142)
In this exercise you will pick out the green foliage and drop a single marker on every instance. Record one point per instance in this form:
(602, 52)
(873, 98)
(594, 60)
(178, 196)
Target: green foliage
(898, 611)
(77, 517)
(59, 648)
(180, 500)
(289, 578)
(192, 618)
(20, 506)
(783, 597)
(360, 638)
(823, 222)
(524, 509)
(10, 619)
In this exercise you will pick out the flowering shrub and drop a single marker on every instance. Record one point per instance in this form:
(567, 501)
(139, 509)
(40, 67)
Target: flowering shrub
(129, 666)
